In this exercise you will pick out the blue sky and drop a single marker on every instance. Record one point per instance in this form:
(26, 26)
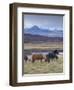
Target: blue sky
(44, 21)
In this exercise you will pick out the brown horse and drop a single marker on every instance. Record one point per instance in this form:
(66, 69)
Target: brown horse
(37, 57)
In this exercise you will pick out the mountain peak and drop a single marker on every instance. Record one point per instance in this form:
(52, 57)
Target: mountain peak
(35, 27)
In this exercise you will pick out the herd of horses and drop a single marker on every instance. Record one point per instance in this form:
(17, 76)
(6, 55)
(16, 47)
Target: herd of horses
(40, 57)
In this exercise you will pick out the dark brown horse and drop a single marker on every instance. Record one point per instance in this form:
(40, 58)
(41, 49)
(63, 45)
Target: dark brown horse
(37, 57)
(26, 58)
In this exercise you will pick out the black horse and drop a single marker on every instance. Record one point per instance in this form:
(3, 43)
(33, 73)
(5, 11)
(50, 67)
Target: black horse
(52, 55)
(25, 58)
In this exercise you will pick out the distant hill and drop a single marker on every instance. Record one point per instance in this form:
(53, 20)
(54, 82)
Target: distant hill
(35, 30)
(39, 39)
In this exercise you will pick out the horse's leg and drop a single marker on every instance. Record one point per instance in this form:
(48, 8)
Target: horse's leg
(25, 60)
(48, 60)
(33, 60)
(41, 60)
(56, 57)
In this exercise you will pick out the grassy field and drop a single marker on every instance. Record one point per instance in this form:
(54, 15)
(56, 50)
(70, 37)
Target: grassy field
(43, 46)
(55, 66)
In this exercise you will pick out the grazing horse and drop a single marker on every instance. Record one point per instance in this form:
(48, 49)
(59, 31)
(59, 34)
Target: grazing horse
(37, 57)
(25, 58)
(51, 55)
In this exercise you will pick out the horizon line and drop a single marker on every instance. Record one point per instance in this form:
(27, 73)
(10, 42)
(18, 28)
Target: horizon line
(50, 28)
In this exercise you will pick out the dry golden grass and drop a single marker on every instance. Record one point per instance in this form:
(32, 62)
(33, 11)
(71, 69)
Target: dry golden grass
(44, 46)
(55, 66)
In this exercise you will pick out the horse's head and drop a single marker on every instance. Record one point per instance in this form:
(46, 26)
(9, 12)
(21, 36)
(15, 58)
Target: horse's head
(56, 52)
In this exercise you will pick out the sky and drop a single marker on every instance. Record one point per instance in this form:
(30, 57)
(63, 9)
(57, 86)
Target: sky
(44, 21)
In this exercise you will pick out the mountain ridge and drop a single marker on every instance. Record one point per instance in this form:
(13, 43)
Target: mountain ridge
(35, 30)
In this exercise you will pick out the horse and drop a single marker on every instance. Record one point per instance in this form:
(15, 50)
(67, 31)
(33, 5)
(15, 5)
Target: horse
(26, 58)
(52, 55)
(37, 57)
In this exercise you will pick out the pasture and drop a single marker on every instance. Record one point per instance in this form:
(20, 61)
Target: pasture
(55, 66)
(43, 46)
